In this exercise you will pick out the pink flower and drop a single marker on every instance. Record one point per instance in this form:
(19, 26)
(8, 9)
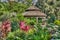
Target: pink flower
(6, 25)
(27, 28)
(23, 26)
(22, 23)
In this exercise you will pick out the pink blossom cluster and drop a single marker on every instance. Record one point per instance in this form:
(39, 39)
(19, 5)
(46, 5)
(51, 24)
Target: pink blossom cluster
(6, 26)
(23, 26)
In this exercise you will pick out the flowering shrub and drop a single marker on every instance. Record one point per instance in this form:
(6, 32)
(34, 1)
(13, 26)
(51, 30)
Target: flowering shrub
(32, 34)
(6, 27)
(24, 27)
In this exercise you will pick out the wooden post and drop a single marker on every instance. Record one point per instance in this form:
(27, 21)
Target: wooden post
(36, 19)
(44, 21)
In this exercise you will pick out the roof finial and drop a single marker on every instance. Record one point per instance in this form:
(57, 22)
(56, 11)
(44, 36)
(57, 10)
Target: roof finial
(34, 2)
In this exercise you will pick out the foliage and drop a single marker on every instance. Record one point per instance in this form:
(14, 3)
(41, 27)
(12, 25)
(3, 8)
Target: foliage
(57, 22)
(30, 21)
(7, 10)
(42, 34)
(14, 12)
(51, 19)
(54, 31)
(49, 7)
(33, 34)
(14, 26)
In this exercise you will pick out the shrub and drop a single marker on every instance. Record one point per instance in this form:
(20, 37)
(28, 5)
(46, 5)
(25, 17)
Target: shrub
(36, 33)
(57, 22)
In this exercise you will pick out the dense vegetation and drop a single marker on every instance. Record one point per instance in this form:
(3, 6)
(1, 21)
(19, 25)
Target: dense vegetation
(26, 28)
(50, 7)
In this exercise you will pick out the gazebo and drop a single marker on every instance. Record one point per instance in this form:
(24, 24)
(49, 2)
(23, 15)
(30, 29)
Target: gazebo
(33, 11)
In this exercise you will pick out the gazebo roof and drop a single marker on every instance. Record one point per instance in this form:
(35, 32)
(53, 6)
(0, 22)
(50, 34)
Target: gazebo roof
(34, 14)
(33, 11)
(33, 8)
(11, 0)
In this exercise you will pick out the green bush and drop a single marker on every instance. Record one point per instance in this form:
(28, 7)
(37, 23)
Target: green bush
(36, 33)
(16, 35)
(42, 34)
(30, 21)
(57, 22)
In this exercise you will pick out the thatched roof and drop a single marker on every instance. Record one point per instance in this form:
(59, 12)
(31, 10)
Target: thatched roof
(33, 8)
(33, 11)
(34, 14)
(11, 0)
